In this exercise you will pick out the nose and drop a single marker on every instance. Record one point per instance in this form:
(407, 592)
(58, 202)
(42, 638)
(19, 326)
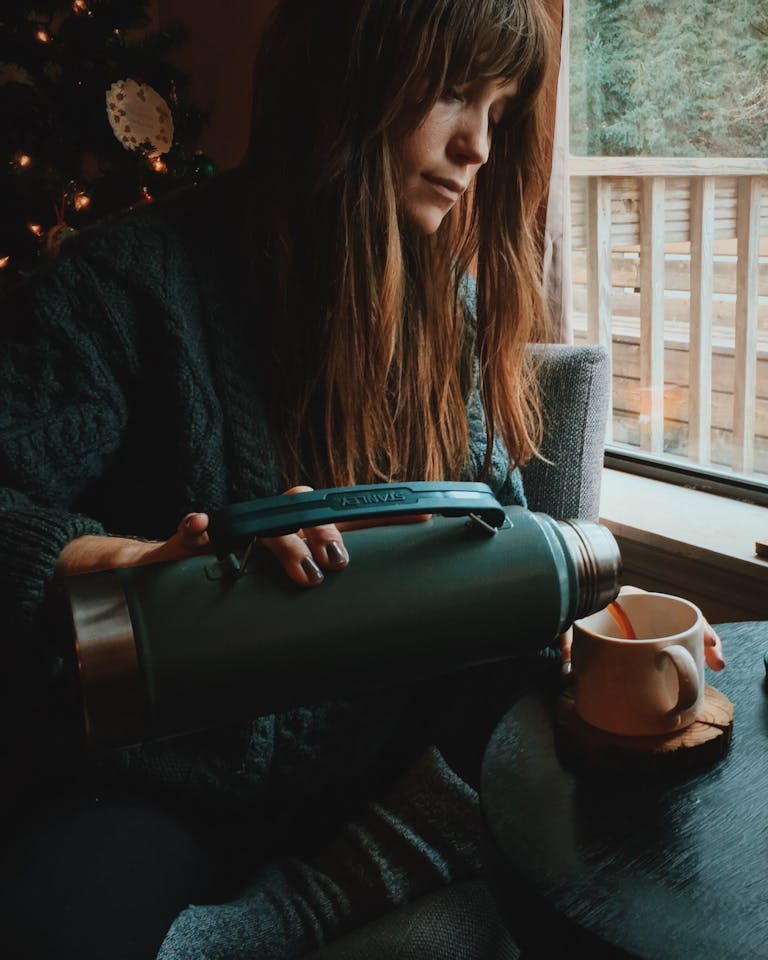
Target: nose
(471, 143)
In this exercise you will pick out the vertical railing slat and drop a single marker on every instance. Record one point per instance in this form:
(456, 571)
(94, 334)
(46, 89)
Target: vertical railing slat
(599, 306)
(700, 356)
(652, 315)
(745, 374)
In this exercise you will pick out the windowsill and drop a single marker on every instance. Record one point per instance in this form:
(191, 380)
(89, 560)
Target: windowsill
(681, 539)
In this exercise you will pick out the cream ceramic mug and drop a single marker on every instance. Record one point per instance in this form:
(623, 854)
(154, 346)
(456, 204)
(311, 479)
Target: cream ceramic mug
(650, 685)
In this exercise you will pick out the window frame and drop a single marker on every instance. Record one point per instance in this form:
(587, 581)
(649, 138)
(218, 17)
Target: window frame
(735, 487)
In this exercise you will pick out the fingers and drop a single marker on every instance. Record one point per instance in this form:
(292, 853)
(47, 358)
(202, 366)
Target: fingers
(307, 554)
(295, 557)
(713, 649)
(190, 540)
(193, 531)
(566, 639)
(326, 546)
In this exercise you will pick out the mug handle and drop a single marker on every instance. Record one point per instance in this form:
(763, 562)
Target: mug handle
(687, 676)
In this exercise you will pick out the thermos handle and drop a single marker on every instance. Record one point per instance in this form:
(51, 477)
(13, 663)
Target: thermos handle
(237, 525)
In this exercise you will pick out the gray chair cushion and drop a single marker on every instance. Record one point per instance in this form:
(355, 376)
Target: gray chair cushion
(575, 386)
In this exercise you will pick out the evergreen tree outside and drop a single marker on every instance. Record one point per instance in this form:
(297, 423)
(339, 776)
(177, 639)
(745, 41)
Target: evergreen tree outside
(62, 166)
(683, 79)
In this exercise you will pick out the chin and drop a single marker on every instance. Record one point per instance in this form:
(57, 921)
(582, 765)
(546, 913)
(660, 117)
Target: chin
(426, 222)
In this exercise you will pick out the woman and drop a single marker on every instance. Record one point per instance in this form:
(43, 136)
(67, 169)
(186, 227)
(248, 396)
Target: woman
(307, 319)
(359, 156)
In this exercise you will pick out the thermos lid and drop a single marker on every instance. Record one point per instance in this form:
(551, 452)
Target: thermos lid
(597, 560)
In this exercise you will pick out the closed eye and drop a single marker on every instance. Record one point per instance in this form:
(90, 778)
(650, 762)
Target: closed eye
(452, 93)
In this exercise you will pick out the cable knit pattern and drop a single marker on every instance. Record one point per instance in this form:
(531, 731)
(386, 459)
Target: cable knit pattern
(127, 389)
(129, 396)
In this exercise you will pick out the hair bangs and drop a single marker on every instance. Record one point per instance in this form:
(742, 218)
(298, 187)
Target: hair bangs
(501, 41)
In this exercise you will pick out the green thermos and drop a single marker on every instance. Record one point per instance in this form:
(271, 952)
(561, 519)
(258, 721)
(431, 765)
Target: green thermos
(172, 647)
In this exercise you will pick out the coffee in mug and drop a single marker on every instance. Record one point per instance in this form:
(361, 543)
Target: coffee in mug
(652, 683)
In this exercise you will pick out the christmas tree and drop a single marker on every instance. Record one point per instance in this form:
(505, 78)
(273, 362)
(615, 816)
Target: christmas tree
(93, 119)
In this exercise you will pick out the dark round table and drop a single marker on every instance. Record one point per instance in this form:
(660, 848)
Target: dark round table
(653, 867)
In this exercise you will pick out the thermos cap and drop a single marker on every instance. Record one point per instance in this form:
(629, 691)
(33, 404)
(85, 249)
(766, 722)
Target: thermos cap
(597, 562)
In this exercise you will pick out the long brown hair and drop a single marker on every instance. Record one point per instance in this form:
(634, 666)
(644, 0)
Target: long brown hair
(371, 351)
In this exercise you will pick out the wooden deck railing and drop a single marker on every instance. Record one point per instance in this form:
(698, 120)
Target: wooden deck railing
(649, 234)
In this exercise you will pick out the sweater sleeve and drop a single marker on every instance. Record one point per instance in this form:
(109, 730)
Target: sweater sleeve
(62, 411)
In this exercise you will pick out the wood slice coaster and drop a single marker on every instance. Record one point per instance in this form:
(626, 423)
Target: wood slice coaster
(701, 744)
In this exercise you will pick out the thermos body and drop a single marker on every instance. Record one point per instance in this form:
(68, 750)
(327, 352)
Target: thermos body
(173, 647)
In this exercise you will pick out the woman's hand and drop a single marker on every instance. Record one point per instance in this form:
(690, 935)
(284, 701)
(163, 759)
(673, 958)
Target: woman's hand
(713, 648)
(305, 555)
(91, 553)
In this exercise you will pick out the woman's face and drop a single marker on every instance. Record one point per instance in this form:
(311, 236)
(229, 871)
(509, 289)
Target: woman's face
(441, 157)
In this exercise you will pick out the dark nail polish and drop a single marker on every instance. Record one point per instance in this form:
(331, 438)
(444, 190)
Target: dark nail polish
(313, 572)
(336, 554)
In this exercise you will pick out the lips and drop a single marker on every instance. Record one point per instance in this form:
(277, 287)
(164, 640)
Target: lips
(450, 189)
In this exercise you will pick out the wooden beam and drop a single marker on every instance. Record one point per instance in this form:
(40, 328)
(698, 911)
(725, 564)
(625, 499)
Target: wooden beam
(652, 314)
(599, 308)
(744, 388)
(668, 166)
(700, 356)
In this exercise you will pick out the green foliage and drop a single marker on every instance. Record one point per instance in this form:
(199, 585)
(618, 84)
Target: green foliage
(688, 78)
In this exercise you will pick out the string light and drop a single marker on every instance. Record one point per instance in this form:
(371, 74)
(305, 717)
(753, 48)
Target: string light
(81, 201)
(43, 36)
(23, 160)
(147, 195)
(4, 261)
(158, 165)
(80, 6)
(36, 229)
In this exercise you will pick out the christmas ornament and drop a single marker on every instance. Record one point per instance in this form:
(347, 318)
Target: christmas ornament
(139, 117)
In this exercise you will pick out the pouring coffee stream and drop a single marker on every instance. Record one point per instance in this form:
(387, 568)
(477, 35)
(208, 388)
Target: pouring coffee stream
(621, 619)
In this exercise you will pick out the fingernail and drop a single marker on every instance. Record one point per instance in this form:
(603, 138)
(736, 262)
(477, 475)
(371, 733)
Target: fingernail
(311, 569)
(189, 519)
(336, 554)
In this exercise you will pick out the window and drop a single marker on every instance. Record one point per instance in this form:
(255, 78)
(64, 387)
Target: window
(669, 227)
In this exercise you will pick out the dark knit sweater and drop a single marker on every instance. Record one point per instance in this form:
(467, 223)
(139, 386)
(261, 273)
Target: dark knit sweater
(129, 388)
(131, 394)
